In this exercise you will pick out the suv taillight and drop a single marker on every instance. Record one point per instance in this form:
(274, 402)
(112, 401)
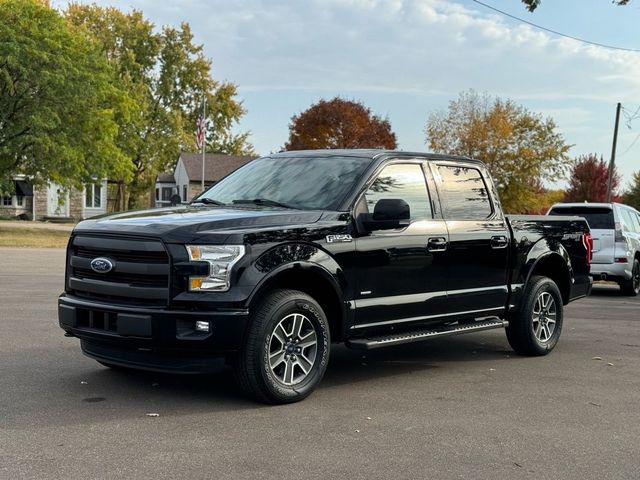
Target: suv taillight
(587, 241)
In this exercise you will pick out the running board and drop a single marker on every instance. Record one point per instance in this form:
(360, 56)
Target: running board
(420, 335)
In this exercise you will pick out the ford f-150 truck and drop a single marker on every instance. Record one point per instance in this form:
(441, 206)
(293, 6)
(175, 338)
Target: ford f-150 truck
(298, 250)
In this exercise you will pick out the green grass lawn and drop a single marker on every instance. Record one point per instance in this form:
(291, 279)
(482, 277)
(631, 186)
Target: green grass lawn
(33, 237)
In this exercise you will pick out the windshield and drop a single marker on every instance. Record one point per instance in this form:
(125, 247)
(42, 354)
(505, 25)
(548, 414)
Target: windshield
(314, 183)
(598, 218)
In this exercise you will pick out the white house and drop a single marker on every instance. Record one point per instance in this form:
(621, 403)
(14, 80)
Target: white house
(52, 202)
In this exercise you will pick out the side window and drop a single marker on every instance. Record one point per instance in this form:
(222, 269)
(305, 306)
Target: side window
(465, 193)
(403, 181)
(630, 220)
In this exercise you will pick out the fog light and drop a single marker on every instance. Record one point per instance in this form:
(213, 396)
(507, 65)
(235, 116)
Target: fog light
(202, 326)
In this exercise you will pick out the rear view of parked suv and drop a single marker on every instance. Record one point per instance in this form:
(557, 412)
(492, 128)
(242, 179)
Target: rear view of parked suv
(615, 229)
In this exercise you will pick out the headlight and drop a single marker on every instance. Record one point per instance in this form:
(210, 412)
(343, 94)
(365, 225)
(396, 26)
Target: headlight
(221, 259)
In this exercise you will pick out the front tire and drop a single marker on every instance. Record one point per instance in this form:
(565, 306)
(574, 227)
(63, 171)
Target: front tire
(631, 287)
(536, 326)
(286, 350)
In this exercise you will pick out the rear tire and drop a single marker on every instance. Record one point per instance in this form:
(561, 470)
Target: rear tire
(631, 287)
(286, 349)
(535, 328)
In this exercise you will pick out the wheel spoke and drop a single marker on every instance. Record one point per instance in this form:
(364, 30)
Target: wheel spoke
(297, 326)
(538, 306)
(537, 329)
(304, 363)
(276, 359)
(288, 372)
(308, 340)
(280, 334)
(546, 300)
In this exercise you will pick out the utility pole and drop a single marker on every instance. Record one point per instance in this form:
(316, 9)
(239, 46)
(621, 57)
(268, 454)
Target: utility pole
(613, 152)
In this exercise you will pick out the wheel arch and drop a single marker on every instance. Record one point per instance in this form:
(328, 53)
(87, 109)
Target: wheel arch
(314, 280)
(555, 266)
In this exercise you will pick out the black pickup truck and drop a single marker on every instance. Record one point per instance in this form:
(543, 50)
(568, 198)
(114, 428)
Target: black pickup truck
(297, 250)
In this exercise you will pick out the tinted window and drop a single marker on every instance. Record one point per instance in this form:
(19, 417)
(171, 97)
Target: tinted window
(305, 182)
(403, 181)
(630, 220)
(465, 193)
(599, 218)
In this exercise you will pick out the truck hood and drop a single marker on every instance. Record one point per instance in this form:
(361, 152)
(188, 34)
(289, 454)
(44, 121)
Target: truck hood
(187, 223)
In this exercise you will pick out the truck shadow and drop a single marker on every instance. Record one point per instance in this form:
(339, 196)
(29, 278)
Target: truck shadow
(88, 393)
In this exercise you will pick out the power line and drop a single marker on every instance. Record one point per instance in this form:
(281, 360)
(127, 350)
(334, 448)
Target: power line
(631, 145)
(555, 32)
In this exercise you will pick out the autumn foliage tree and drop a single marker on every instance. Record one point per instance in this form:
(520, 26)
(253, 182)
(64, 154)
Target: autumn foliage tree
(588, 180)
(165, 75)
(339, 123)
(520, 148)
(632, 196)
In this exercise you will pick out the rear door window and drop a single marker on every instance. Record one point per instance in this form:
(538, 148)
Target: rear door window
(599, 218)
(465, 193)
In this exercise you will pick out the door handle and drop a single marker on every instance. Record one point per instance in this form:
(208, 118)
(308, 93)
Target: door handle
(437, 244)
(499, 241)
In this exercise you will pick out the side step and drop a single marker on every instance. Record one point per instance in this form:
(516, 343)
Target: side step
(420, 335)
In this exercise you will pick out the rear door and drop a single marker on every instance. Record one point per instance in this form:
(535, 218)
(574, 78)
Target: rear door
(602, 224)
(479, 240)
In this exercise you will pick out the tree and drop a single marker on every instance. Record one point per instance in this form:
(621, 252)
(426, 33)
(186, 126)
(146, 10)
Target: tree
(632, 196)
(339, 123)
(588, 180)
(521, 149)
(57, 100)
(166, 76)
(533, 4)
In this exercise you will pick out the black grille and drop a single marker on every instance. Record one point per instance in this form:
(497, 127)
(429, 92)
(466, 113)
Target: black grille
(140, 273)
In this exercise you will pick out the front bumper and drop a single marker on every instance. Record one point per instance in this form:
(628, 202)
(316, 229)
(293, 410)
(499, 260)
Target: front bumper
(612, 271)
(153, 338)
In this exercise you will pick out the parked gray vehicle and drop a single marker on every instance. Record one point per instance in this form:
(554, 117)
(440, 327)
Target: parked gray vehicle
(615, 229)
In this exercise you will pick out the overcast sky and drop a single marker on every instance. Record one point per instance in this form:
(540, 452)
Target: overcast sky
(405, 59)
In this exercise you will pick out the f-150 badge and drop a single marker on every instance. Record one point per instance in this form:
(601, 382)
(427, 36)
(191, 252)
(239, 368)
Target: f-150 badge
(338, 238)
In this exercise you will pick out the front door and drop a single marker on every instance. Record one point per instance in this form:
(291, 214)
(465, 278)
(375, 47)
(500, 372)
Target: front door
(57, 201)
(479, 240)
(400, 278)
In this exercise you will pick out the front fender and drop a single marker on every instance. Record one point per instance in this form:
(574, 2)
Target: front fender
(291, 257)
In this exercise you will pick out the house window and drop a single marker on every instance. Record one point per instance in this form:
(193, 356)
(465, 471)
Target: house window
(93, 195)
(19, 200)
(184, 193)
(157, 194)
(7, 201)
(166, 194)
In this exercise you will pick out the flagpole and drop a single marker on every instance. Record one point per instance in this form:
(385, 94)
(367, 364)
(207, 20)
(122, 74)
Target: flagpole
(204, 136)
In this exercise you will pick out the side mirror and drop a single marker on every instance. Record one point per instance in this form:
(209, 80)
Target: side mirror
(389, 213)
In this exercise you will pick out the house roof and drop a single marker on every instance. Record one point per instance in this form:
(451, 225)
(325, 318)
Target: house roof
(165, 178)
(217, 165)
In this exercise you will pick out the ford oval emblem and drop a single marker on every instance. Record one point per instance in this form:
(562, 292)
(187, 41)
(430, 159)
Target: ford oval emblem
(102, 265)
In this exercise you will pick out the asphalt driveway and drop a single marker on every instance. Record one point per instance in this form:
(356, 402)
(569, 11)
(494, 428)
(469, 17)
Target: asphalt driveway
(459, 407)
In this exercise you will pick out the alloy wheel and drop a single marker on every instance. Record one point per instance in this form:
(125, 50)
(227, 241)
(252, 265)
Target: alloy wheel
(293, 346)
(544, 317)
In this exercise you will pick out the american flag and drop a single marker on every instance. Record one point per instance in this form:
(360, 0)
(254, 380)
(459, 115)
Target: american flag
(200, 128)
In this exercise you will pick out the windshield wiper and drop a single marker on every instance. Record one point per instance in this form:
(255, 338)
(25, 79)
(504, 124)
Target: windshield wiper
(265, 202)
(207, 201)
